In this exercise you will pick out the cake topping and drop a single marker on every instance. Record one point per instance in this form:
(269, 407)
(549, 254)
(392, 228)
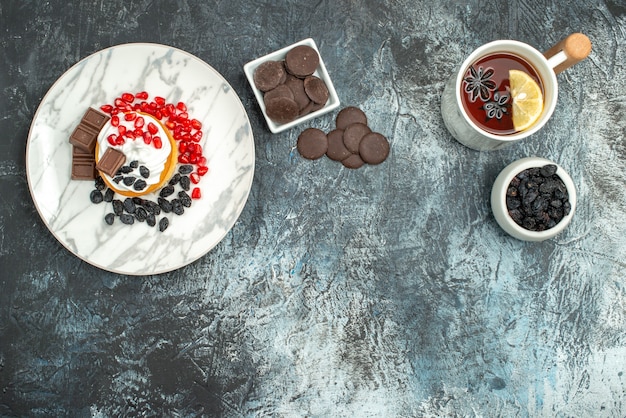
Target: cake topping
(111, 161)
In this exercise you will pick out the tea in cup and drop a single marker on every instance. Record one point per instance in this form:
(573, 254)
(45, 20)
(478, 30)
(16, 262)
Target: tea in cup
(506, 91)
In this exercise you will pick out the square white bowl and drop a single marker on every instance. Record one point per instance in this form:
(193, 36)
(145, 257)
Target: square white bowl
(331, 104)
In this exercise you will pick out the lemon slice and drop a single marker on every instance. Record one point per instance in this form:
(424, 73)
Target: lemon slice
(527, 100)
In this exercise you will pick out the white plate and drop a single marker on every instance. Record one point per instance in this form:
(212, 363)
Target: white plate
(333, 99)
(64, 204)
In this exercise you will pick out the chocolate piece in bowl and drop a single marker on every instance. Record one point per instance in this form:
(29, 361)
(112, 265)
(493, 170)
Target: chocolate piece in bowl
(296, 85)
(302, 61)
(280, 91)
(269, 74)
(349, 115)
(282, 109)
(316, 89)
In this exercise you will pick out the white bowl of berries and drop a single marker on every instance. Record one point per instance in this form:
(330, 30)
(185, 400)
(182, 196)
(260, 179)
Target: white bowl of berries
(533, 199)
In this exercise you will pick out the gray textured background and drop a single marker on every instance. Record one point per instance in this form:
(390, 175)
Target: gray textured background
(385, 291)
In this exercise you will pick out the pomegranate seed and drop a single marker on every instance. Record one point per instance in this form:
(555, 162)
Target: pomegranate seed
(196, 124)
(194, 157)
(106, 108)
(202, 170)
(147, 137)
(139, 122)
(159, 100)
(197, 136)
(181, 106)
(136, 107)
(183, 158)
(112, 139)
(144, 107)
(182, 147)
(121, 129)
(202, 162)
(120, 140)
(157, 142)
(128, 97)
(120, 103)
(158, 114)
(130, 116)
(142, 95)
(115, 111)
(138, 132)
(183, 116)
(170, 125)
(130, 135)
(195, 193)
(195, 178)
(152, 128)
(115, 120)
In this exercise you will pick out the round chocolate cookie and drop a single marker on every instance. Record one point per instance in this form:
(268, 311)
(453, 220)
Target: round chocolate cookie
(281, 109)
(302, 61)
(268, 75)
(280, 91)
(353, 161)
(312, 143)
(337, 151)
(299, 95)
(353, 134)
(374, 148)
(316, 89)
(349, 115)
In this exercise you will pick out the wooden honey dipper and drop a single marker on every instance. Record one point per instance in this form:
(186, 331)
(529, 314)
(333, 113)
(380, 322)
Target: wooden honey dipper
(569, 51)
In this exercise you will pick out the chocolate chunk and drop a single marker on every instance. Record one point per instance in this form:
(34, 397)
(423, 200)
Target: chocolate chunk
(111, 161)
(299, 94)
(353, 161)
(94, 119)
(312, 143)
(374, 148)
(268, 75)
(310, 108)
(353, 134)
(337, 150)
(83, 170)
(84, 138)
(282, 109)
(350, 115)
(302, 61)
(316, 89)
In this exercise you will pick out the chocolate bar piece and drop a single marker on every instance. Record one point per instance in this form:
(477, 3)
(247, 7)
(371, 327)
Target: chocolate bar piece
(83, 170)
(94, 119)
(86, 133)
(111, 161)
(84, 138)
(83, 164)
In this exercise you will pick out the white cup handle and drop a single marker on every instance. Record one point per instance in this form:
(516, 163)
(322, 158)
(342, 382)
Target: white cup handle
(569, 51)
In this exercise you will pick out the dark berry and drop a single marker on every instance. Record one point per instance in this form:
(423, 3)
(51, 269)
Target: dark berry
(548, 170)
(134, 164)
(166, 191)
(100, 184)
(129, 180)
(177, 207)
(108, 195)
(117, 179)
(129, 205)
(126, 169)
(109, 218)
(141, 214)
(139, 185)
(118, 207)
(152, 207)
(151, 219)
(175, 179)
(185, 169)
(163, 224)
(144, 171)
(96, 196)
(184, 198)
(185, 183)
(165, 205)
(127, 219)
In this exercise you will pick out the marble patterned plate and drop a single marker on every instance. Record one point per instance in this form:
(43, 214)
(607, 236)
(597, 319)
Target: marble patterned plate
(64, 204)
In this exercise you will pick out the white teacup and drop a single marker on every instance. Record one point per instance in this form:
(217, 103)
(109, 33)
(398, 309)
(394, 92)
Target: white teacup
(566, 53)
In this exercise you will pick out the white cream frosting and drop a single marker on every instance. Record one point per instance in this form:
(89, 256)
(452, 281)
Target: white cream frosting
(137, 150)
